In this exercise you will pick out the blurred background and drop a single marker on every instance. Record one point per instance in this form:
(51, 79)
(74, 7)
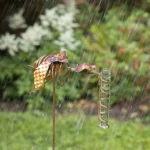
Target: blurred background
(110, 34)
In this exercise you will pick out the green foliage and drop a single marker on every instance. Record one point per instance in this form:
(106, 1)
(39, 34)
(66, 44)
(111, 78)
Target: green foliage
(121, 43)
(17, 78)
(74, 132)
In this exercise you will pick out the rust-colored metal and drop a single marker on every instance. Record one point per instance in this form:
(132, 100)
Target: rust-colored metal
(83, 67)
(60, 57)
(54, 106)
(43, 68)
(40, 75)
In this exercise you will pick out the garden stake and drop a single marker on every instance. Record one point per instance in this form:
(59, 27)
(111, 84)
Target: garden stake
(54, 105)
(48, 66)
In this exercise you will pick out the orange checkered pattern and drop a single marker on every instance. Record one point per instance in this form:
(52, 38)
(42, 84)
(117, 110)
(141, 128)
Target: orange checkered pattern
(40, 74)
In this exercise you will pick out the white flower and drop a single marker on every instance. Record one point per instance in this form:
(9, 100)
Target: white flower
(71, 6)
(9, 42)
(49, 16)
(59, 18)
(33, 37)
(17, 21)
(65, 22)
(62, 19)
(67, 39)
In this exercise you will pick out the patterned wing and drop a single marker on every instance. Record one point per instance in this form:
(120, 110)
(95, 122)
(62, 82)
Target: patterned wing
(41, 60)
(40, 74)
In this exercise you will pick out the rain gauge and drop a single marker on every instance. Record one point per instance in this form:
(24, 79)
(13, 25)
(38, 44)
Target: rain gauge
(104, 98)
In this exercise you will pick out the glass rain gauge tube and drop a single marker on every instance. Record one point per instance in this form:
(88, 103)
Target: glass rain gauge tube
(104, 98)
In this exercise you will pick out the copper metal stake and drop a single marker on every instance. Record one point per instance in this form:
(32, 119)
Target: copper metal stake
(54, 105)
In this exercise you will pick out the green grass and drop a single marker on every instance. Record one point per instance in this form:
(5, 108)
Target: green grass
(22, 131)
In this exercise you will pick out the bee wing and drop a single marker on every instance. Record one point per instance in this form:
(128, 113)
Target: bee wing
(40, 60)
(40, 74)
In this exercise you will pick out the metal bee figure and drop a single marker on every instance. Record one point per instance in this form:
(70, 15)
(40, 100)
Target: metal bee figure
(44, 67)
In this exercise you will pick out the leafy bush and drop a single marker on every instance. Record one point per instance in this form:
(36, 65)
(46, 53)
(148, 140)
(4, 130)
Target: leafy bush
(121, 43)
(55, 30)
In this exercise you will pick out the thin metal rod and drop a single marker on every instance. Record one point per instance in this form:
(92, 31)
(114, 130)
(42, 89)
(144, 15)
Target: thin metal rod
(99, 100)
(54, 105)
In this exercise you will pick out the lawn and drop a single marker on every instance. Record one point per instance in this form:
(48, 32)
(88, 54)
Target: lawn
(23, 131)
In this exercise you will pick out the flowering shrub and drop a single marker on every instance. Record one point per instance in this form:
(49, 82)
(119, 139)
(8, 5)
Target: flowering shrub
(9, 42)
(33, 37)
(17, 21)
(55, 29)
(56, 25)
